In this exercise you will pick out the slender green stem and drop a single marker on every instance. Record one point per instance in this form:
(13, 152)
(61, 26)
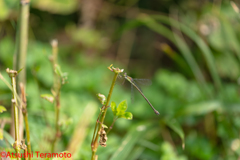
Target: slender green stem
(25, 115)
(21, 55)
(94, 145)
(12, 74)
(109, 129)
(96, 125)
(56, 87)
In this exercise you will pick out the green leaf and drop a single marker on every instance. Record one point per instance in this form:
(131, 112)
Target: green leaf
(20, 70)
(176, 127)
(127, 115)
(48, 97)
(122, 107)
(113, 106)
(104, 126)
(2, 109)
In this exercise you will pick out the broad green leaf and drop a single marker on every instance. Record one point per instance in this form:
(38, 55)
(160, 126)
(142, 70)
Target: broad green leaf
(176, 127)
(48, 97)
(2, 109)
(122, 107)
(127, 115)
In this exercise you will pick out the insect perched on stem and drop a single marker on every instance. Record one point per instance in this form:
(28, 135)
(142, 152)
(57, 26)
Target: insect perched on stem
(133, 83)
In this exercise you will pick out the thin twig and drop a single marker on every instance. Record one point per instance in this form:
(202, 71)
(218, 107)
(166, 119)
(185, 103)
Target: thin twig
(25, 114)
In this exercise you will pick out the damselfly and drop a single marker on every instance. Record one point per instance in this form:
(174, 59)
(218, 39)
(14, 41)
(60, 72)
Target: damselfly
(133, 83)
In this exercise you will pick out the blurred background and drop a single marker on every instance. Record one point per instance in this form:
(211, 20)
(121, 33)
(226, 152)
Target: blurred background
(189, 49)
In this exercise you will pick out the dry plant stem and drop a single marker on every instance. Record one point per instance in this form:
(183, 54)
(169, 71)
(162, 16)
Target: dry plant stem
(25, 115)
(94, 145)
(13, 74)
(22, 50)
(56, 89)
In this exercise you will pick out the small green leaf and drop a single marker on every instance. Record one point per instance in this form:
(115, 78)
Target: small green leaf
(2, 109)
(127, 115)
(20, 70)
(104, 126)
(48, 97)
(113, 106)
(122, 107)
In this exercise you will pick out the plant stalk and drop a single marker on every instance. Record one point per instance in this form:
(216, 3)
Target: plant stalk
(56, 88)
(94, 145)
(25, 115)
(21, 55)
(13, 74)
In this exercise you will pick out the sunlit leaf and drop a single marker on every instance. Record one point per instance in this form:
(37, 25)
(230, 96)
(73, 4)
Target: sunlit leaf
(104, 126)
(122, 107)
(2, 109)
(19, 70)
(127, 115)
(48, 97)
(113, 106)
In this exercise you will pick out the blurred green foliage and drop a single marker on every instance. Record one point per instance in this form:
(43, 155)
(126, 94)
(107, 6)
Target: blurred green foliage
(190, 50)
